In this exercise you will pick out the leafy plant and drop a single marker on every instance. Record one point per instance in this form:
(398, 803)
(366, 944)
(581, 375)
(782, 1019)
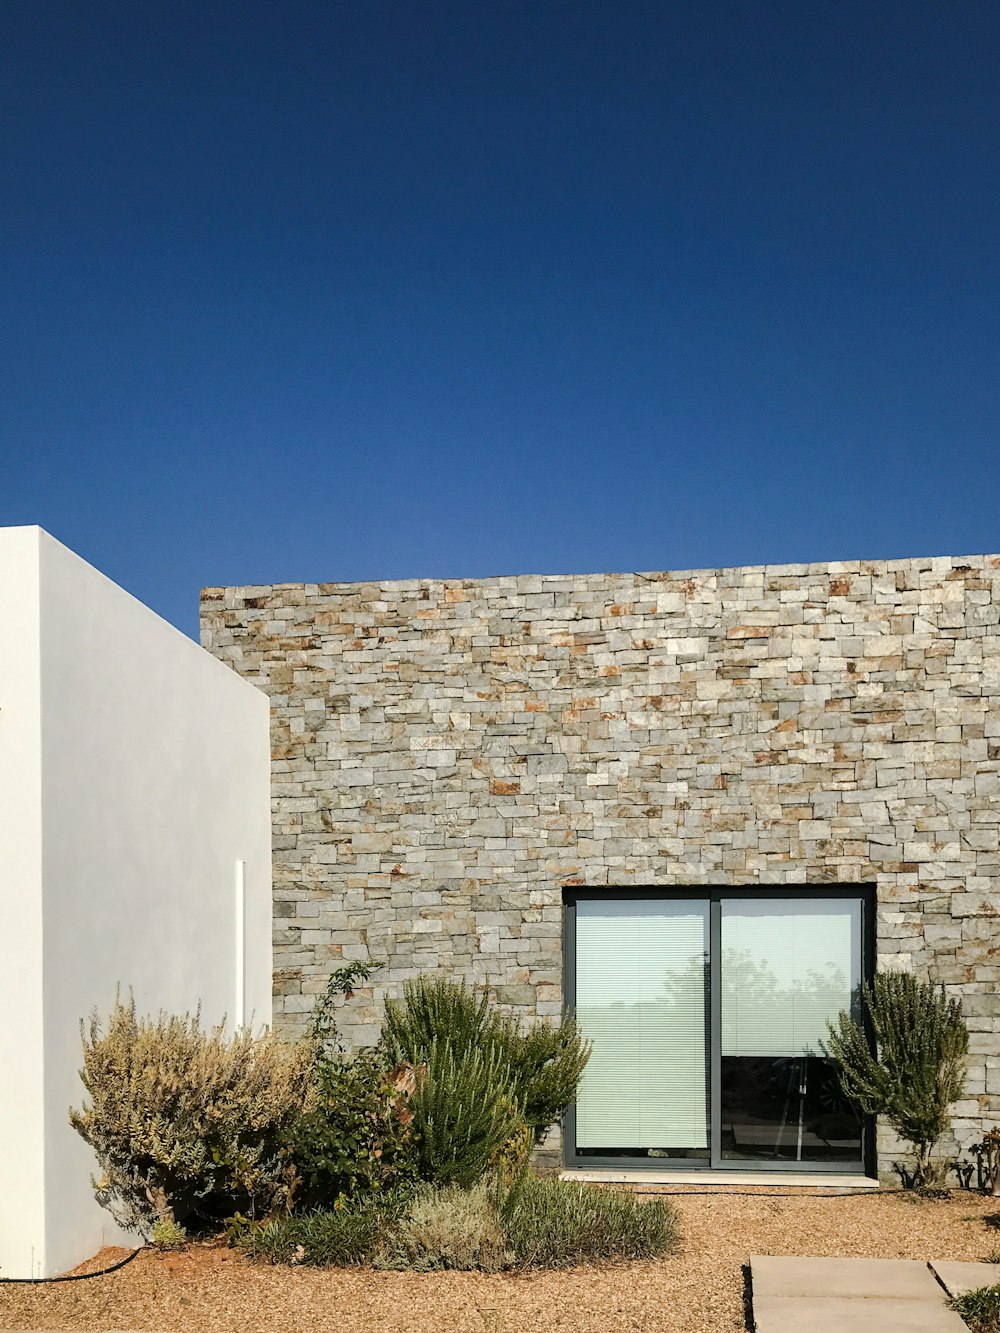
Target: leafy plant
(357, 1138)
(464, 1110)
(187, 1126)
(917, 1069)
(544, 1063)
(323, 1035)
(513, 1154)
(980, 1309)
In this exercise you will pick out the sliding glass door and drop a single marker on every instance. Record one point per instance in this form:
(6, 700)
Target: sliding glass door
(642, 998)
(707, 1013)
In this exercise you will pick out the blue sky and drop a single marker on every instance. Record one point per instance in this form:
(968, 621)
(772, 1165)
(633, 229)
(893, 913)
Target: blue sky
(322, 290)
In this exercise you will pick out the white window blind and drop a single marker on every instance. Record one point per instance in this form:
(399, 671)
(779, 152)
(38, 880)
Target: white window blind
(787, 967)
(640, 996)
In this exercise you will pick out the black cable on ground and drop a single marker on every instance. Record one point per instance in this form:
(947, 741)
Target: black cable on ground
(76, 1277)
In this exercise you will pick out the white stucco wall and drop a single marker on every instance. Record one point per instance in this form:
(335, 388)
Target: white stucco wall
(22, 1214)
(154, 777)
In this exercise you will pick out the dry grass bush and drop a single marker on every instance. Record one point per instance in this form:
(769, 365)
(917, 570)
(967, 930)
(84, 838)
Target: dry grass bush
(188, 1126)
(491, 1227)
(449, 1227)
(553, 1223)
(324, 1238)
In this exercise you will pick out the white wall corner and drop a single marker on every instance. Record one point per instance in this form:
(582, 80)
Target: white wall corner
(135, 770)
(22, 1161)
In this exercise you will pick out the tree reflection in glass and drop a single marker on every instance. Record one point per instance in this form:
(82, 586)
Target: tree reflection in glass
(786, 969)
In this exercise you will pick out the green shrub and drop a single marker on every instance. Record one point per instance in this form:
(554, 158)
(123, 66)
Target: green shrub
(187, 1126)
(358, 1137)
(335, 1238)
(550, 1223)
(987, 1164)
(463, 1112)
(980, 1309)
(514, 1153)
(919, 1067)
(447, 1228)
(545, 1063)
(168, 1236)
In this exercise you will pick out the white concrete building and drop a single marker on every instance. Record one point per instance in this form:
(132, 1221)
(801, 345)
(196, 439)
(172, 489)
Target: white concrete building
(135, 850)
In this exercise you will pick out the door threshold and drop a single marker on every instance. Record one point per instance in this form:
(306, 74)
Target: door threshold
(709, 1179)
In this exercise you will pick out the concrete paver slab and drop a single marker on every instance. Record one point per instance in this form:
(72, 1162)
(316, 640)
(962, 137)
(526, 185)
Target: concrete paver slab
(845, 1314)
(903, 1279)
(958, 1278)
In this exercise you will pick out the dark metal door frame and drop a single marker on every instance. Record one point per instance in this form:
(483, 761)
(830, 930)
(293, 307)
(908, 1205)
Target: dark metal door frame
(714, 895)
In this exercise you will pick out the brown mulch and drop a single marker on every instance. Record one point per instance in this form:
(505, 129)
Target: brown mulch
(211, 1289)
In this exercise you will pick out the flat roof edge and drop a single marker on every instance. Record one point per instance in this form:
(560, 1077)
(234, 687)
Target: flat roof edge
(814, 568)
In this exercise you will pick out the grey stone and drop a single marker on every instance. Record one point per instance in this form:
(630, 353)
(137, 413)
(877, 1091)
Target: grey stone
(449, 756)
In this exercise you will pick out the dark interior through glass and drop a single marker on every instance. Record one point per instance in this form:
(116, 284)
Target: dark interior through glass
(786, 1110)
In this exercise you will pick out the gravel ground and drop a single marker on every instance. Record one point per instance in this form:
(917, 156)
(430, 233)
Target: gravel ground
(210, 1289)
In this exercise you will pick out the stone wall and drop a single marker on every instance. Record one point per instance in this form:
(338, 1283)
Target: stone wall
(447, 756)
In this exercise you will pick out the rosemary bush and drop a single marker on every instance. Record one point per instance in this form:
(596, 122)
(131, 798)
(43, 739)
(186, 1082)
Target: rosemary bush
(464, 1112)
(544, 1064)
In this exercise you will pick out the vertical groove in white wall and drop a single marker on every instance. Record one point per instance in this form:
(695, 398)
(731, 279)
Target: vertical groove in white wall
(239, 1009)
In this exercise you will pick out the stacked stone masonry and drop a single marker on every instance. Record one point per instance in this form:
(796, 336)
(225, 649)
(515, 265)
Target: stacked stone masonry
(448, 756)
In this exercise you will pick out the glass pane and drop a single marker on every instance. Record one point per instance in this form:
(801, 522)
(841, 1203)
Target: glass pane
(641, 996)
(787, 967)
(786, 1110)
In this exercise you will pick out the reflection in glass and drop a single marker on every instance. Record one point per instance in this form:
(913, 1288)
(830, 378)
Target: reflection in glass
(787, 968)
(642, 999)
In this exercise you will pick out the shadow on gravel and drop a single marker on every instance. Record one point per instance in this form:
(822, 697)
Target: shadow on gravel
(747, 1298)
